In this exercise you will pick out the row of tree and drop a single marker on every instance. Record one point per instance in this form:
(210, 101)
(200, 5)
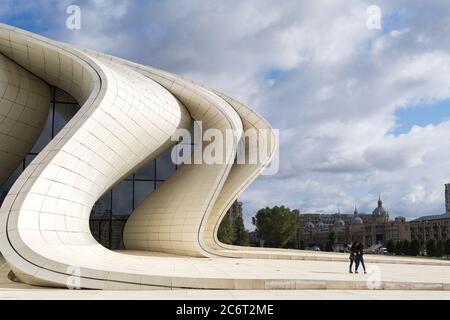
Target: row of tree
(275, 226)
(438, 248)
(432, 247)
(232, 231)
(405, 247)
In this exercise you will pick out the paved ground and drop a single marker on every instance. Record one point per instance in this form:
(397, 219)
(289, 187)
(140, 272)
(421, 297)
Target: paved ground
(301, 270)
(44, 294)
(407, 278)
(292, 254)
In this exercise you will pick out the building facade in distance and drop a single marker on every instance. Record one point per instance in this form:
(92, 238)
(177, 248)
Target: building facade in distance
(373, 229)
(235, 209)
(434, 227)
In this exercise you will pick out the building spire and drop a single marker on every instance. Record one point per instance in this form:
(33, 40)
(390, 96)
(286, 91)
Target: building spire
(356, 211)
(380, 203)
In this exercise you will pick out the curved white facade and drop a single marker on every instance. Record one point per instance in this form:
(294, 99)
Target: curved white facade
(127, 117)
(24, 101)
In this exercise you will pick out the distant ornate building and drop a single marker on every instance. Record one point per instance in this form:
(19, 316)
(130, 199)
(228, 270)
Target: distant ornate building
(435, 227)
(426, 228)
(370, 229)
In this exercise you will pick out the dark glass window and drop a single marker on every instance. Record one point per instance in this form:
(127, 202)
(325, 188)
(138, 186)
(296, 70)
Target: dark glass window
(28, 159)
(102, 208)
(122, 198)
(165, 165)
(147, 172)
(141, 190)
(63, 113)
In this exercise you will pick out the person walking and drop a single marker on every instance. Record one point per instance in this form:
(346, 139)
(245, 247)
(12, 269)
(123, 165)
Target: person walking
(352, 256)
(359, 256)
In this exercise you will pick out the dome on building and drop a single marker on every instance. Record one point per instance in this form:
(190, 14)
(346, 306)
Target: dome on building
(379, 211)
(320, 225)
(339, 223)
(357, 220)
(309, 225)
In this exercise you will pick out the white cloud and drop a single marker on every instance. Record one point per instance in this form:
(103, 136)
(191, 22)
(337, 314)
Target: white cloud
(335, 101)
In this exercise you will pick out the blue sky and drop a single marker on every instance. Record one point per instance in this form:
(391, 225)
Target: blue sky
(421, 115)
(31, 19)
(360, 111)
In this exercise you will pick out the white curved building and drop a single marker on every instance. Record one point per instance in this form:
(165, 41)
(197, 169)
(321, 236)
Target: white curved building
(126, 118)
(79, 127)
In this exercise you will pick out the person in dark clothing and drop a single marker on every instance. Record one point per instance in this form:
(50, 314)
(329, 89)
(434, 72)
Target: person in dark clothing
(352, 256)
(359, 256)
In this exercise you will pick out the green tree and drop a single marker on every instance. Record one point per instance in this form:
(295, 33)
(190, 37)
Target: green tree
(390, 246)
(431, 247)
(226, 233)
(276, 225)
(232, 231)
(398, 248)
(414, 248)
(302, 245)
(447, 248)
(405, 247)
(439, 248)
(332, 240)
(242, 237)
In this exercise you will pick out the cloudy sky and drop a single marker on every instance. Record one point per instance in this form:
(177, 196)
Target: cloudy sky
(361, 111)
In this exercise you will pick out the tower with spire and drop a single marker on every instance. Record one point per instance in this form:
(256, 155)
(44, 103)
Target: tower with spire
(379, 211)
(356, 219)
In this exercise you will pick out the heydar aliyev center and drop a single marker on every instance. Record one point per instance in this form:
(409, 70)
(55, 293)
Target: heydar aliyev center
(126, 117)
(83, 133)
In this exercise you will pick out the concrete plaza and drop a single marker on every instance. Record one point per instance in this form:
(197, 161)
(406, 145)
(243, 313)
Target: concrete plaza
(309, 277)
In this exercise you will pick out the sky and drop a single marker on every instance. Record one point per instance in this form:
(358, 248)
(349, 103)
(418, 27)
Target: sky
(361, 110)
